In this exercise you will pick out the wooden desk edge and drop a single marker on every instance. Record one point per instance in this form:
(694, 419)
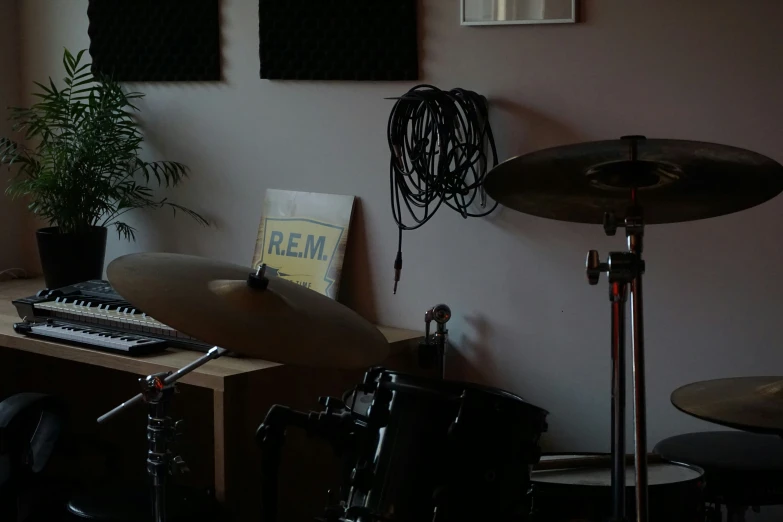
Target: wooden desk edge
(212, 375)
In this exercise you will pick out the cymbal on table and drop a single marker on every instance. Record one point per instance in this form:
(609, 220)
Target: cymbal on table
(676, 180)
(746, 403)
(211, 301)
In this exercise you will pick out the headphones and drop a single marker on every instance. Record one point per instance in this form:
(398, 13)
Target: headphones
(30, 425)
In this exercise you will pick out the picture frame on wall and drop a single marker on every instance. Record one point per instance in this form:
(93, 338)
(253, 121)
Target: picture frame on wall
(517, 12)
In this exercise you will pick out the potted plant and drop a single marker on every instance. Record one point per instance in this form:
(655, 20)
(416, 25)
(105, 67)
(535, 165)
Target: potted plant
(80, 169)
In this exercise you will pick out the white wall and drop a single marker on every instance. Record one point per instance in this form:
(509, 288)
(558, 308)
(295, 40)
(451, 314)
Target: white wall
(525, 318)
(13, 240)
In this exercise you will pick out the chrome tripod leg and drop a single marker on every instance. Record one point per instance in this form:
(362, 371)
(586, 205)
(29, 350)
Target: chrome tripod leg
(639, 387)
(626, 268)
(621, 266)
(617, 295)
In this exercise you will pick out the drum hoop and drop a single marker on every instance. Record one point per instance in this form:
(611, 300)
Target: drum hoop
(553, 485)
(419, 384)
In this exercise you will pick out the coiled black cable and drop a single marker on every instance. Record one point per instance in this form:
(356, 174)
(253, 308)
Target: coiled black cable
(438, 143)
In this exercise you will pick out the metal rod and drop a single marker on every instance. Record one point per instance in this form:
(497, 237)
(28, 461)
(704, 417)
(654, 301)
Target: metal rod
(159, 503)
(617, 295)
(106, 416)
(213, 353)
(639, 389)
(441, 352)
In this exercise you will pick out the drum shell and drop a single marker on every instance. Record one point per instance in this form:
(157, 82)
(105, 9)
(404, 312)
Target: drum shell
(681, 501)
(458, 449)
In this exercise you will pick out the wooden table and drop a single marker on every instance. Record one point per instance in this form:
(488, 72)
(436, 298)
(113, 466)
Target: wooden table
(238, 385)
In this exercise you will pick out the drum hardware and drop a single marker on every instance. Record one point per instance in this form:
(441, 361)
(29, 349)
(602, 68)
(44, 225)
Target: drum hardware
(213, 300)
(562, 493)
(217, 303)
(335, 424)
(741, 469)
(625, 269)
(168, 380)
(160, 432)
(593, 182)
(752, 404)
(157, 390)
(433, 348)
(677, 180)
(590, 462)
(426, 449)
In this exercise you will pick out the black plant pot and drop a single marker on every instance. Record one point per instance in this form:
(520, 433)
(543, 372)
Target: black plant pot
(71, 258)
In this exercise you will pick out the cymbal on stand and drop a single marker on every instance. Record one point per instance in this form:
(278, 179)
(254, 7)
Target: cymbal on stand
(676, 180)
(211, 301)
(746, 403)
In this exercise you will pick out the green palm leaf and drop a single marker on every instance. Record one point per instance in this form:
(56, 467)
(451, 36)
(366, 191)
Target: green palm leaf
(83, 168)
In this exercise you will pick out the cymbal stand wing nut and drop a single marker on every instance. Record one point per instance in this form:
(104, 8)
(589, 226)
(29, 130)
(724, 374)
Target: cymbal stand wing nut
(610, 223)
(594, 267)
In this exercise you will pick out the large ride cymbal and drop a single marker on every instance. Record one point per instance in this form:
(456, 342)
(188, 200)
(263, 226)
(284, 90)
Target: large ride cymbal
(746, 403)
(211, 301)
(676, 180)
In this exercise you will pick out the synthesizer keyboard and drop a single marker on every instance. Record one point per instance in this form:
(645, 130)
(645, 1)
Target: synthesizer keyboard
(94, 306)
(92, 337)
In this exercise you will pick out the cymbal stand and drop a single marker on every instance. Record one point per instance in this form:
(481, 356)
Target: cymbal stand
(156, 392)
(625, 269)
(160, 432)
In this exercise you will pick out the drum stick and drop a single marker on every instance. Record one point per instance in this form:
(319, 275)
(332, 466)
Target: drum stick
(589, 461)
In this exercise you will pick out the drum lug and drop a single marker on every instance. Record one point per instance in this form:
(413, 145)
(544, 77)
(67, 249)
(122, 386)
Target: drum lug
(331, 404)
(361, 514)
(714, 513)
(333, 514)
(362, 477)
(370, 383)
(379, 409)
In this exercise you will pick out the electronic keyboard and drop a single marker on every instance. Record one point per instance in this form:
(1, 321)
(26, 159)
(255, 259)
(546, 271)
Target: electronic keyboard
(93, 314)
(92, 337)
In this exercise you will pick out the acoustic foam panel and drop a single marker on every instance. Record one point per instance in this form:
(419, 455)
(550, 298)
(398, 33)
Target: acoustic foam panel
(155, 40)
(338, 40)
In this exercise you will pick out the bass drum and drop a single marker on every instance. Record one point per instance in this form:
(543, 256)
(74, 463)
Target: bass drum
(441, 451)
(584, 494)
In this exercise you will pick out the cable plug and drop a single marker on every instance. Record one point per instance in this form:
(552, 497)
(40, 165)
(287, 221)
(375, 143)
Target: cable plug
(397, 270)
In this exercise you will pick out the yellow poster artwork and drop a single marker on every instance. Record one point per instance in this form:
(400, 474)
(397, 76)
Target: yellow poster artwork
(302, 238)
